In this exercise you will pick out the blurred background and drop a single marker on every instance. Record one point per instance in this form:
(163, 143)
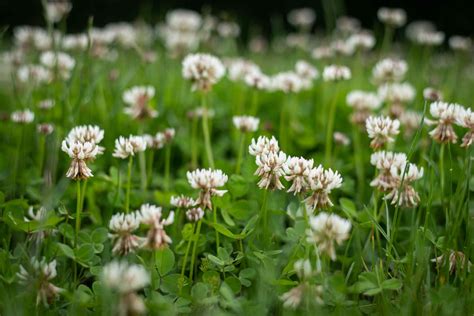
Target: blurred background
(452, 17)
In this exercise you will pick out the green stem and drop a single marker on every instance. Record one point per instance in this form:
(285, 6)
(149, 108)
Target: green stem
(330, 127)
(41, 149)
(78, 211)
(194, 151)
(217, 233)
(205, 130)
(185, 260)
(143, 177)
(129, 180)
(167, 166)
(359, 161)
(254, 109)
(282, 127)
(193, 257)
(387, 39)
(240, 154)
(264, 214)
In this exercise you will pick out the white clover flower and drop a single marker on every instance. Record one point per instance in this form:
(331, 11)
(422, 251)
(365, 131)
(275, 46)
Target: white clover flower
(59, 61)
(184, 20)
(41, 275)
(347, 24)
(203, 70)
(389, 70)
(263, 144)
(293, 298)
(33, 74)
(228, 29)
(303, 268)
(182, 201)
(123, 225)
(87, 133)
(207, 181)
(429, 38)
(126, 279)
(341, 139)
(465, 119)
(137, 98)
(152, 216)
(384, 162)
(394, 17)
(322, 52)
(432, 94)
(297, 171)
(75, 42)
(417, 27)
(306, 71)
(326, 230)
(363, 104)
(22, 117)
(45, 128)
(397, 92)
(239, 68)
(460, 43)
(444, 115)
(245, 123)
(336, 73)
(411, 121)
(46, 104)
(402, 192)
(302, 18)
(382, 130)
(287, 82)
(270, 169)
(125, 147)
(200, 111)
(80, 152)
(322, 182)
(56, 10)
(257, 80)
(456, 259)
(194, 214)
(361, 41)
(342, 47)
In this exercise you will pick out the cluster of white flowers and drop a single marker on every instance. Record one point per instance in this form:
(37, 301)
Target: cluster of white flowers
(460, 43)
(432, 94)
(82, 145)
(395, 177)
(137, 98)
(336, 73)
(347, 25)
(361, 41)
(297, 170)
(58, 63)
(397, 95)
(181, 31)
(326, 230)
(203, 70)
(45, 128)
(389, 70)
(430, 38)
(245, 123)
(287, 81)
(207, 181)
(363, 104)
(382, 130)
(239, 68)
(321, 182)
(22, 117)
(46, 104)
(77, 42)
(34, 74)
(466, 119)
(29, 37)
(228, 29)
(126, 279)
(193, 213)
(126, 147)
(41, 275)
(322, 52)
(393, 17)
(415, 28)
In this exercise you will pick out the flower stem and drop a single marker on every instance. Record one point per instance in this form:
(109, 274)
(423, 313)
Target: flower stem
(264, 214)
(78, 211)
(205, 130)
(194, 150)
(167, 166)
(217, 233)
(185, 260)
(359, 162)
(240, 154)
(129, 180)
(193, 257)
(330, 127)
(143, 177)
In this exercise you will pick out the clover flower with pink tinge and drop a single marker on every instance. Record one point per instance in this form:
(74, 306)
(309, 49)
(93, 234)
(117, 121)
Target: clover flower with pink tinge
(123, 225)
(270, 161)
(182, 201)
(287, 82)
(80, 152)
(126, 147)
(363, 104)
(138, 99)
(402, 192)
(45, 128)
(321, 183)
(327, 230)
(466, 120)
(152, 216)
(382, 130)
(389, 70)
(194, 214)
(207, 181)
(444, 116)
(297, 171)
(257, 80)
(397, 95)
(203, 70)
(384, 161)
(432, 94)
(307, 72)
(87, 133)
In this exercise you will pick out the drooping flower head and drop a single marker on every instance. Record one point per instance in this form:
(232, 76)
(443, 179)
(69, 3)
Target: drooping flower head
(207, 181)
(246, 123)
(444, 116)
(297, 171)
(123, 226)
(336, 73)
(363, 104)
(152, 216)
(80, 152)
(321, 183)
(393, 17)
(203, 70)
(138, 98)
(466, 120)
(125, 147)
